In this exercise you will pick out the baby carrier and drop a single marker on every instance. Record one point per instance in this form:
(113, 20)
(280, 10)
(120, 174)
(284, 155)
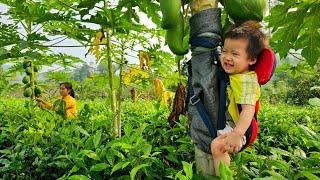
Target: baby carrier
(264, 69)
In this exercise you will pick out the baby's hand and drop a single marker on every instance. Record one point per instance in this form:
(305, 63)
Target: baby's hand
(233, 140)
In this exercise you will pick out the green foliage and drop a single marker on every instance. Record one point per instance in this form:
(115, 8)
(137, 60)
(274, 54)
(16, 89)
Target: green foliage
(225, 172)
(295, 26)
(3, 81)
(59, 76)
(48, 146)
(286, 147)
(31, 43)
(301, 90)
(314, 102)
(81, 73)
(52, 147)
(149, 7)
(59, 106)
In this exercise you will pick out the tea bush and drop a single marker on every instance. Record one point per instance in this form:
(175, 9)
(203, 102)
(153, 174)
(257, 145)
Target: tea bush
(42, 145)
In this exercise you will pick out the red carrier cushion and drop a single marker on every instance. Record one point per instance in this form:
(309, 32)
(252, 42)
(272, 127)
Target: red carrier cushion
(265, 66)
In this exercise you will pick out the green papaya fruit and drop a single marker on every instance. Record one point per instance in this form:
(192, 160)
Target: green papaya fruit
(37, 91)
(26, 64)
(27, 92)
(35, 68)
(243, 10)
(175, 36)
(28, 70)
(26, 86)
(59, 107)
(26, 80)
(170, 10)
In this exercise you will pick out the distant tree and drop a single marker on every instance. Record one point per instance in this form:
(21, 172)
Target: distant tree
(80, 74)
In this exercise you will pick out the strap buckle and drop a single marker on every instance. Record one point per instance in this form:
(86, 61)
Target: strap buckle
(194, 100)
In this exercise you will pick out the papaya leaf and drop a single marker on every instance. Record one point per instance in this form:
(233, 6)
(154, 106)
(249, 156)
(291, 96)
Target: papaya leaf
(298, 29)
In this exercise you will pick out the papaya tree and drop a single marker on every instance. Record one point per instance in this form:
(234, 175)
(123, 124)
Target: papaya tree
(112, 18)
(48, 23)
(24, 43)
(295, 29)
(24, 35)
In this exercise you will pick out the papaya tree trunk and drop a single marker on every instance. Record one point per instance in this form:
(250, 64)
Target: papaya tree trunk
(28, 28)
(120, 91)
(111, 85)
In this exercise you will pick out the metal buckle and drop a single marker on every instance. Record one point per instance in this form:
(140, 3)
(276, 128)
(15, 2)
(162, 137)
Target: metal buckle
(192, 102)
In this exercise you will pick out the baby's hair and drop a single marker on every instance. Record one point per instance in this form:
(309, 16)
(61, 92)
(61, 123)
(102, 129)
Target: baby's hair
(68, 86)
(249, 30)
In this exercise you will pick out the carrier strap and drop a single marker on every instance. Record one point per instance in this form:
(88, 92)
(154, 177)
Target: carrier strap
(195, 101)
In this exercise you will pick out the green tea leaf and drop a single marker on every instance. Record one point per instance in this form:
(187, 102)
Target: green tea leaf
(314, 102)
(125, 164)
(276, 175)
(310, 175)
(78, 177)
(99, 167)
(278, 151)
(180, 176)
(117, 167)
(282, 165)
(225, 172)
(300, 153)
(96, 139)
(81, 130)
(136, 169)
(93, 155)
(309, 133)
(75, 168)
(187, 168)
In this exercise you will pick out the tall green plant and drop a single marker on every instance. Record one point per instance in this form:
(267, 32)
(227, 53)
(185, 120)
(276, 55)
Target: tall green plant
(295, 26)
(24, 35)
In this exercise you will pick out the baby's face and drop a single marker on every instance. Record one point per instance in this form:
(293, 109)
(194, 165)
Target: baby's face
(234, 58)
